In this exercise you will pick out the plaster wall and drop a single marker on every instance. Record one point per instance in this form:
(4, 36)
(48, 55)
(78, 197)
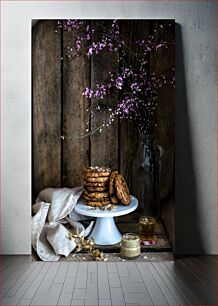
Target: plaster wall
(195, 113)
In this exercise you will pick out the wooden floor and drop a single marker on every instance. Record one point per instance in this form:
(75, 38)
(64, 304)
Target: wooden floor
(187, 281)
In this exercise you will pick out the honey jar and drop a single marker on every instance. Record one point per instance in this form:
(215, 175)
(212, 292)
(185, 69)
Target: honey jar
(147, 228)
(130, 246)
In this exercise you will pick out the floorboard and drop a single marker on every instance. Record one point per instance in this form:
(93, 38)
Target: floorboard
(210, 260)
(165, 289)
(210, 270)
(154, 290)
(201, 271)
(180, 283)
(170, 283)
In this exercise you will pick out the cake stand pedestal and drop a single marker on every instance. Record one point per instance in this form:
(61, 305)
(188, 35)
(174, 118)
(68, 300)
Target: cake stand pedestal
(105, 231)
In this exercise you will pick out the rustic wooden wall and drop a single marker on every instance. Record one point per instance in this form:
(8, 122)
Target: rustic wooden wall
(60, 109)
(46, 106)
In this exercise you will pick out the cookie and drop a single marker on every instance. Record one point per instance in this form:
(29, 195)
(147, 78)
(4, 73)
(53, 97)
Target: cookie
(87, 197)
(103, 200)
(95, 188)
(112, 191)
(96, 204)
(122, 190)
(96, 195)
(100, 179)
(114, 199)
(94, 184)
(96, 172)
(111, 183)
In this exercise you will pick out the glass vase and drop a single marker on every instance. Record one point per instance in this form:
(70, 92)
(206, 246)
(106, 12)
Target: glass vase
(146, 175)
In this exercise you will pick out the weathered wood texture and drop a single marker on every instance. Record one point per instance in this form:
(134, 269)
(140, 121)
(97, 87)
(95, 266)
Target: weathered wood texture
(128, 133)
(104, 145)
(75, 78)
(163, 62)
(132, 30)
(60, 109)
(46, 107)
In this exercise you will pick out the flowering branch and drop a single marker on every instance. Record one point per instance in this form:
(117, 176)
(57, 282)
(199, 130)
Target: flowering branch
(135, 90)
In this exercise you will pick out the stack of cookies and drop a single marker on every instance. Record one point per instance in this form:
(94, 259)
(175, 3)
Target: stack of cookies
(103, 186)
(96, 186)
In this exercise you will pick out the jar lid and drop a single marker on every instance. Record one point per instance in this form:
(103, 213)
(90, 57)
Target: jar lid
(130, 236)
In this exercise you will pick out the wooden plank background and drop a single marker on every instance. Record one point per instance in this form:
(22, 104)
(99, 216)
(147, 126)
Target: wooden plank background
(104, 145)
(60, 109)
(76, 77)
(46, 107)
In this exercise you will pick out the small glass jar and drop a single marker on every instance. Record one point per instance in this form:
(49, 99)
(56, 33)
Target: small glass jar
(147, 226)
(130, 246)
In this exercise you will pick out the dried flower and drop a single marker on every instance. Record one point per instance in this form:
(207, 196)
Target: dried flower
(138, 89)
(86, 245)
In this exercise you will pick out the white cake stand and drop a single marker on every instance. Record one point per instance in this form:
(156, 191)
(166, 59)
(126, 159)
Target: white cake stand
(105, 231)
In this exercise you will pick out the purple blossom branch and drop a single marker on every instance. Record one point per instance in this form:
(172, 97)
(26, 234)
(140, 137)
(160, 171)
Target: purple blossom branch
(138, 90)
